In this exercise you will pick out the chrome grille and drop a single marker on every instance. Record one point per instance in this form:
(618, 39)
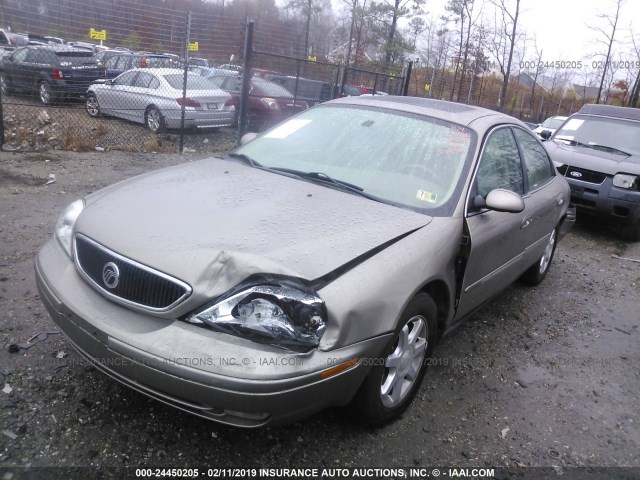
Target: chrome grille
(137, 285)
(582, 174)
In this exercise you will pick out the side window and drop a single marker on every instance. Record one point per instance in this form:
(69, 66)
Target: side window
(500, 165)
(125, 79)
(123, 63)
(154, 83)
(536, 161)
(111, 63)
(142, 80)
(20, 55)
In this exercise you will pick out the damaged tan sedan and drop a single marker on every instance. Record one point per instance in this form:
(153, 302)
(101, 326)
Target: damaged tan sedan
(317, 265)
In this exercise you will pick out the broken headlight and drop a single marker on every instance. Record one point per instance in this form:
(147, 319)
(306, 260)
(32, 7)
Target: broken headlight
(280, 315)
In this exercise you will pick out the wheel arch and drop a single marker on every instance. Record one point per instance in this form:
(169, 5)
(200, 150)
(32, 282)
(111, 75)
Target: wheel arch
(441, 295)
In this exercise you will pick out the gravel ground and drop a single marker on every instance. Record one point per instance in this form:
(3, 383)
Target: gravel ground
(541, 377)
(30, 127)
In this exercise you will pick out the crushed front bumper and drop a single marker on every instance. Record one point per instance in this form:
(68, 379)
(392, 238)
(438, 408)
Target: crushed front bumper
(212, 375)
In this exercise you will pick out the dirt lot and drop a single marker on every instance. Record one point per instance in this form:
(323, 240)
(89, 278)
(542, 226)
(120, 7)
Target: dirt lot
(31, 127)
(541, 377)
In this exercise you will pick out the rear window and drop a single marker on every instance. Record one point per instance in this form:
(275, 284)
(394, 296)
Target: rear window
(194, 82)
(67, 60)
(272, 89)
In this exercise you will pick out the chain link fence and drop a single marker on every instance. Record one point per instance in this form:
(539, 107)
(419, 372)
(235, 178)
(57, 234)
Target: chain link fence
(138, 76)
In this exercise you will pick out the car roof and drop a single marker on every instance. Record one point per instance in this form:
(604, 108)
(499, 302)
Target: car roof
(146, 55)
(161, 71)
(449, 111)
(610, 111)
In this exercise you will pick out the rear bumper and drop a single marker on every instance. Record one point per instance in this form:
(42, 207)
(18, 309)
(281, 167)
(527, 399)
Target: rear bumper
(214, 376)
(200, 119)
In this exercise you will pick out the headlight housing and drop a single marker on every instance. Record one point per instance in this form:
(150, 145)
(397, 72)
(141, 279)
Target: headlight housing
(280, 315)
(64, 226)
(624, 180)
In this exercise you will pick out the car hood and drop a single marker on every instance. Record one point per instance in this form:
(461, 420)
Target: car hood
(591, 159)
(214, 222)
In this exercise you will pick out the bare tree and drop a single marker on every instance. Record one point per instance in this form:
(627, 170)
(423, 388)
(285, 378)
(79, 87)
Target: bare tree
(609, 34)
(635, 91)
(504, 41)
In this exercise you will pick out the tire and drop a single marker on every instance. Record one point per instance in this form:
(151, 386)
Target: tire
(46, 95)
(391, 384)
(631, 232)
(92, 106)
(5, 85)
(154, 120)
(536, 273)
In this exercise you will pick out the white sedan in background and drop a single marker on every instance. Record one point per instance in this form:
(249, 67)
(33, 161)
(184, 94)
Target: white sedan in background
(551, 124)
(154, 96)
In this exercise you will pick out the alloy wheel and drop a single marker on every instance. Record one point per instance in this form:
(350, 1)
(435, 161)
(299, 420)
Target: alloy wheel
(403, 365)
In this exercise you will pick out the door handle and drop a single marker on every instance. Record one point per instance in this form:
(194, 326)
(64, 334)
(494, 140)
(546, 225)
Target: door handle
(528, 220)
(560, 201)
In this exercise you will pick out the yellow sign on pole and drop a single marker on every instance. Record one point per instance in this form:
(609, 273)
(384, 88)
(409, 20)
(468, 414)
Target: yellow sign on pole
(427, 87)
(193, 47)
(97, 34)
(313, 58)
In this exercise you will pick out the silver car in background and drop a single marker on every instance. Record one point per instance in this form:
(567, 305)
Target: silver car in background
(154, 96)
(317, 265)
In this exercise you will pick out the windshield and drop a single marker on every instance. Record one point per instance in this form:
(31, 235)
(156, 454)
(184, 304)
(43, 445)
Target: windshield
(408, 160)
(553, 122)
(589, 130)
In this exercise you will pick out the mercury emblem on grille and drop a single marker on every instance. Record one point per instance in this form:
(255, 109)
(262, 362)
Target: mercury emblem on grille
(110, 275)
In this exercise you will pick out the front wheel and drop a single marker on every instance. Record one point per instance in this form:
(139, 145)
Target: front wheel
(154, 120)
(536, 273)
(392, 383)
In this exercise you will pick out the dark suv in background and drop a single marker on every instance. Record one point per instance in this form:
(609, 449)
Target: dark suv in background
(118, 64)
(311, 91)
(54, 72)
(598, 151)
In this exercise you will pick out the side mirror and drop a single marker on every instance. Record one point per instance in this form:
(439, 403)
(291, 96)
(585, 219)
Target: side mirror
(502, 200)
(109, 82)
(247, 137)
(545, 134)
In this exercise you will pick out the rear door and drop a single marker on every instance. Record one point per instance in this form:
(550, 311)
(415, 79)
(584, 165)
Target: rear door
(545, 195)
(496, 240)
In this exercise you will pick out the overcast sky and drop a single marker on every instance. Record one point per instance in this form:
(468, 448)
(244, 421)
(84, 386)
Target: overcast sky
(561, 26)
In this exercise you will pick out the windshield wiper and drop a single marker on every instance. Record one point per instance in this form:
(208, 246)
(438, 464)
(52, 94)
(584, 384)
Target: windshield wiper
(611, 149)
(319, 176)
(246, 158)
(323, 177)
(595, 146)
